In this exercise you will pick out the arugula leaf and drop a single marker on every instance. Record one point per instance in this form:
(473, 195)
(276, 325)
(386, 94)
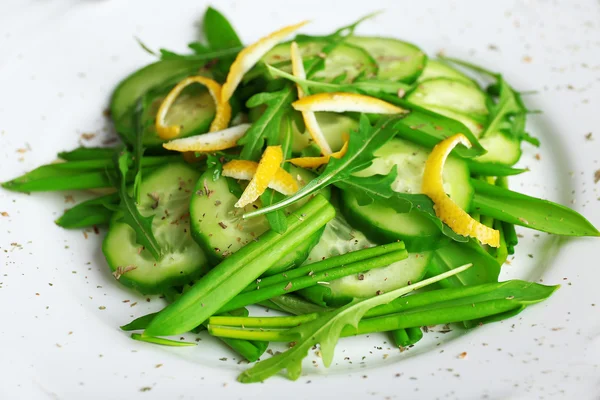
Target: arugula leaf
(361, 148)
(198, 47)
(277, 220)
(96, 211)
(220, 35)
(144, 47)
(378, 188)
(485, 267)
(268, 125)
(200, 56)
(508, 107)
(326, 330)
(428, 128)
(213, 162)
(340, 33)
(280, 101)
(371, 87)
(508, 115)
(218, 31)
(142, 226)
(138, 149)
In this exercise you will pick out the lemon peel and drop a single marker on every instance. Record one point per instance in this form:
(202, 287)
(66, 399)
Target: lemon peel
(249, 56)
(206, 142)
(345, 102)
(310, 120)
(283, 182)
(445, 208)
(269, 164)
(314, 162)
(222, 115)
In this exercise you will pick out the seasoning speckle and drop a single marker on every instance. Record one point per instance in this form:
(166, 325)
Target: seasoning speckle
(122, 270)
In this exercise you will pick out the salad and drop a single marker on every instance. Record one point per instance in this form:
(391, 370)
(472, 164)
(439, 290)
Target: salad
(352, 184)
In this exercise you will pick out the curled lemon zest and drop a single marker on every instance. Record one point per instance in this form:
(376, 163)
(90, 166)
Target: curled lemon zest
(269, 164)
(213, 141)
(446, 209)
(222, 113)
(310, 120)
(346, 102)
(297, 66)
(249, 56)
(314, 162)
(283, 182)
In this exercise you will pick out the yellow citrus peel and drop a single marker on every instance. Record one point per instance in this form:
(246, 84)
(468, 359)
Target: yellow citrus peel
(223, 110)
(446, 209)
(249, 56)
(213, 141)
(310, 120)
(269, 164)
(283, 182)
(345, 102)
(314, 162)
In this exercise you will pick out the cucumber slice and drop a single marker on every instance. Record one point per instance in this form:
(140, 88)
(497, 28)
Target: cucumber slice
(340, 238)
(450, 94)
(476, 127)
(193, 110)
(381, 223)
(437, 69)
(183, 260)
(333, 126)
(410, 159)
(397, 60)
(137, 84)
(501, 148)
(345, 59)
(218, 227)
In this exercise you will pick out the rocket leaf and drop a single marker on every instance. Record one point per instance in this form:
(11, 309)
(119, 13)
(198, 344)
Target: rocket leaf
(142, 226)
(326, 331)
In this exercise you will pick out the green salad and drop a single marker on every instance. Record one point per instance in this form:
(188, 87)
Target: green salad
(351, 183)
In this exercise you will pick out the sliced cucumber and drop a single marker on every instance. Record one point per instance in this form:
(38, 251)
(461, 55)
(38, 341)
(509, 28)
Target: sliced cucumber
(437, 69)
(333, 125)
(193, 110)
(165, 194)
(476, 127)
(450, 94)
(381, 223)
(501, 148)
(345, 59)
(397, 60)
(137, 84)
(340, 238)
(219, 228)
(410, 158)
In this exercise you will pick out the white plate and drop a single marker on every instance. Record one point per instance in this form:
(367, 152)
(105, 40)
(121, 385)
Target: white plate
(60, 308)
